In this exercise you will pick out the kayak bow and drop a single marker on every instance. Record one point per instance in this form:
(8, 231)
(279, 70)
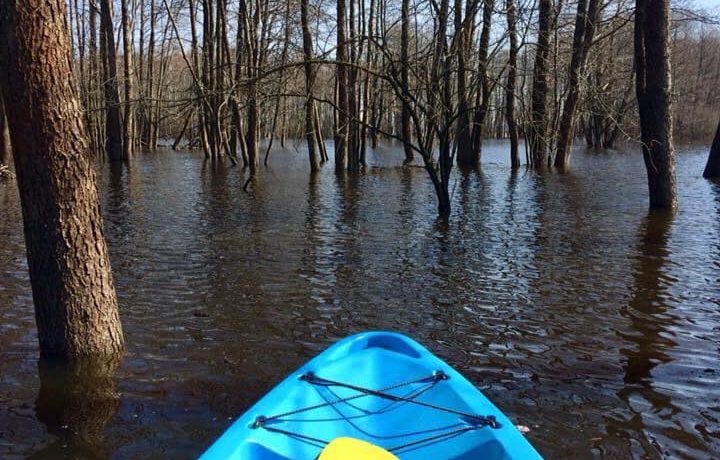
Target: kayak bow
(381, 388)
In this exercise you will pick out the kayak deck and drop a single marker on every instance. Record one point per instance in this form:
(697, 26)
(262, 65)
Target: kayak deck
(379, 387)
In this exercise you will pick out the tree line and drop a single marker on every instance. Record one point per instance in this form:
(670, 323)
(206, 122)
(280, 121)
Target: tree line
(437, 76)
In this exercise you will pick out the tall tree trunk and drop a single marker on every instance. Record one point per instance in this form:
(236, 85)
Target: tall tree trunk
(113, 121)
(150, 131)
(341, 126)
(405, 118)
(539, 110)
(712, 168)
(309, 82)
(76, 307)
(585, 20)
(129, 125)
(96, 127)
(351, 75)
(510, 87)
(654, 92)
(466, 155)
(483, 95)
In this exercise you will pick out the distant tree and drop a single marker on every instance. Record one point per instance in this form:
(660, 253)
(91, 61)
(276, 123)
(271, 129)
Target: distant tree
(108, 51)
(653, 88)
(309, 83)
(76, 307)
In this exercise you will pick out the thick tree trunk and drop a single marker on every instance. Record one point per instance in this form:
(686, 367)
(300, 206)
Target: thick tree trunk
(510, 87)
(654, 92)
(539, 109)
(712, 168)
(113, 121)
(309, 82)
(405, 118)
(75, 303)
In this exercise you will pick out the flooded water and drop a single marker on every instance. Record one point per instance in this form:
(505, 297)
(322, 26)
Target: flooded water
(580, 314)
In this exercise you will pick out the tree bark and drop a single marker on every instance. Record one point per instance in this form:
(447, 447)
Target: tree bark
(653, 87)
(539, 110)
(76, 307)
(113, 121)
(309, 82)
(712, 168)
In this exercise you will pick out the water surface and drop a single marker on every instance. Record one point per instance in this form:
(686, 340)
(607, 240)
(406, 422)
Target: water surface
(580, 314)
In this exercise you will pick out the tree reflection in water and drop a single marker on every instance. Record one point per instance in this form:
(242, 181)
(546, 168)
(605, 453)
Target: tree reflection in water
(76, 401)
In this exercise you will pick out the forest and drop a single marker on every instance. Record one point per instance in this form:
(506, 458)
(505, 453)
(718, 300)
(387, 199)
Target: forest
(235, 78)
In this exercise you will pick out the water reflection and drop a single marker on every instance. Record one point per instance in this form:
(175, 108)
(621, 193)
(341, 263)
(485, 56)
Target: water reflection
(76, 401)
(649, 337)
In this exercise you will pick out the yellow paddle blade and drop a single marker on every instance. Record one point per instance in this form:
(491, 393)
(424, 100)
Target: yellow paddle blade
(354, 449)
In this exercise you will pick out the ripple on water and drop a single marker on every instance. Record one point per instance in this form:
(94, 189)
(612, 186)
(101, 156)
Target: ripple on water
(582, 316)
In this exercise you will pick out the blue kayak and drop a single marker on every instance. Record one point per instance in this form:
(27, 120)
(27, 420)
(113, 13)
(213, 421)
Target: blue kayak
(382, 388)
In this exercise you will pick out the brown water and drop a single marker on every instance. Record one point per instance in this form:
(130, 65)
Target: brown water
(582, 316)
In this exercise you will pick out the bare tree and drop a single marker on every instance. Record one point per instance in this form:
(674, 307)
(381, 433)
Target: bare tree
(129, 120)
(510, 86)
(585, 20)
(309, 83)
(654, 93)
(538, 134)
(113, 120)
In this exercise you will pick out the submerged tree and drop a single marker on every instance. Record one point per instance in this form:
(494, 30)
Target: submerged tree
(712, 168)
(108, 52)
(5, 149)
(654, 93)
(538, 135)
(75, 303)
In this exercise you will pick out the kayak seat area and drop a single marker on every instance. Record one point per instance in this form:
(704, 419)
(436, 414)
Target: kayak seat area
(387, 342)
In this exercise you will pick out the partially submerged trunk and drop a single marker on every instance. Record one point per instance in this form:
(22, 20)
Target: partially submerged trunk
(538, 135)
(584, 32)
(5, 148)
(310, 134)
(129, 125)
(76, 308)
(654, 93)
(113, 120)
(342, 128)
(405, 115)
(510, 86)
(712, 168)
